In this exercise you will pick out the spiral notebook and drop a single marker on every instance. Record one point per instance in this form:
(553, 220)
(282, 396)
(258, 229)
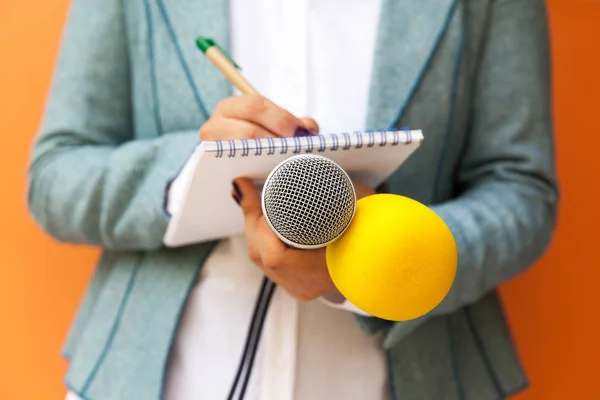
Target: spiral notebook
(206, 211)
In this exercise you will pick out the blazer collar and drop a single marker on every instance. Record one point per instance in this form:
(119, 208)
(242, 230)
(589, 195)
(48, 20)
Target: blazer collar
(185, 20)
(409, 34)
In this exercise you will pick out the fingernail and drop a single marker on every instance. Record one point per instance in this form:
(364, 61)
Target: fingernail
(236, 198)
(301, 131)
(237, 190)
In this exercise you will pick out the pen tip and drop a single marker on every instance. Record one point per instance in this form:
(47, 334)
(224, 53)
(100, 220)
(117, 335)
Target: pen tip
(204, 43)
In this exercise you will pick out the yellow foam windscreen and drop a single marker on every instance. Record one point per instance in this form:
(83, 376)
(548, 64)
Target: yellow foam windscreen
(397, 260)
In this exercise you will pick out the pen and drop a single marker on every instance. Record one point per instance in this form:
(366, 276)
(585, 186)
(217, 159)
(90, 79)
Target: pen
(225, 64)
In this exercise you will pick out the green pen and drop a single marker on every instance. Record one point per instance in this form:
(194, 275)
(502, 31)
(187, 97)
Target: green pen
(225, 64)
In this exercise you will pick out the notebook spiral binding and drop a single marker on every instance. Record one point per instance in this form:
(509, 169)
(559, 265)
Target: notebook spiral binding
(269, 146)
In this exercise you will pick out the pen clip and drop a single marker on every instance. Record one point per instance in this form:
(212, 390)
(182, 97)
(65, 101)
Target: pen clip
(205, 43)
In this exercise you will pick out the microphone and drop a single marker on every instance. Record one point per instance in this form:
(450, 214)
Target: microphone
(391, 256)
(308, 201)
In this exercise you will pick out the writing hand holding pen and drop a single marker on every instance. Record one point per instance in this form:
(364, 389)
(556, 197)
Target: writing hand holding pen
(251, 115)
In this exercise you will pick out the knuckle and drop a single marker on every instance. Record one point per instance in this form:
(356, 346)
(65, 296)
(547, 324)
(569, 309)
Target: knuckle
(255, 104)
(223, 105)
(272, 261)
(206, 131)
(249, 131)
(254, 256)
(287, 123)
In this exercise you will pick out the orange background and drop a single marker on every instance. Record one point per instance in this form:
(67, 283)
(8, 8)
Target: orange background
(553, 309)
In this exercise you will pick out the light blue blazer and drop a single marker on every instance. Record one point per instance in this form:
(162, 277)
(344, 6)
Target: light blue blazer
(130, 93)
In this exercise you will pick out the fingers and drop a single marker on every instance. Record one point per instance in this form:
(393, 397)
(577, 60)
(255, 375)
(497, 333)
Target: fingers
(259, 111)
(249, 200)
(275, 253)
(272, 250)
(231, 129)
(256, 225)
(264, 248)
(302, 273)
(254, 116)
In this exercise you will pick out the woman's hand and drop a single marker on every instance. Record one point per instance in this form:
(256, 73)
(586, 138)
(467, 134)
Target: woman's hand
(302, 273)
(253, 116)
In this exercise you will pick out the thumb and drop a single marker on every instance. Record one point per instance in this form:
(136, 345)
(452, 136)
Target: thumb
(247, 196)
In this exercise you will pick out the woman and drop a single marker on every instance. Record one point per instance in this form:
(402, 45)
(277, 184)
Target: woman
(129, 96)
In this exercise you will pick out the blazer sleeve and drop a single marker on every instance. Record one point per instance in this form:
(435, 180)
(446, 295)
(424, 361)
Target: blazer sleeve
(504, 216)
(89, 181)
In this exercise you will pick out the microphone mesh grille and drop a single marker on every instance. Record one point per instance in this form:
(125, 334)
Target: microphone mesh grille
(309, 200)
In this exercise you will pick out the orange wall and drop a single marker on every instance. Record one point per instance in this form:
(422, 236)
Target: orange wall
(553, 309)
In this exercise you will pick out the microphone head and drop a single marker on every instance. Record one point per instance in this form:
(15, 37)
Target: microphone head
(308, 201)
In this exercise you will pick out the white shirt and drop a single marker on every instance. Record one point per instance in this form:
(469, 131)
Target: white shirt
(313, 58)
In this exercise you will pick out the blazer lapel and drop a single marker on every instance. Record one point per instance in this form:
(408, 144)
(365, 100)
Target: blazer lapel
(185, 20)
(409, 33)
